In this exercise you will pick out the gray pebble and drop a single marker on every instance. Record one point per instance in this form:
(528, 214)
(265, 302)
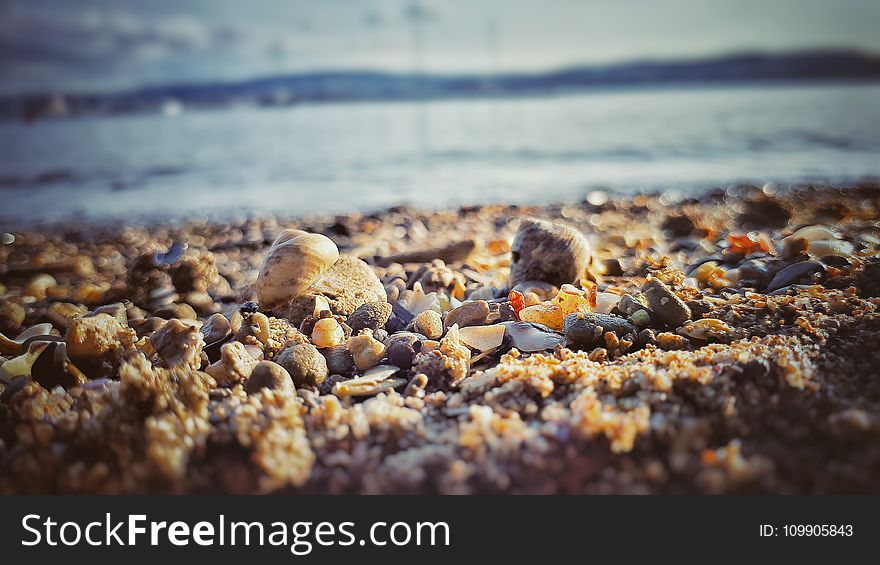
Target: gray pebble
(306, 365)
(667, 308)
(401, 347)
(469, 314)
(339, 360)
(548, 252)
(268, 374)
(587, 330)
(372, 315)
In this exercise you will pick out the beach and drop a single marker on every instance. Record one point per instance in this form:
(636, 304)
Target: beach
(718, 341)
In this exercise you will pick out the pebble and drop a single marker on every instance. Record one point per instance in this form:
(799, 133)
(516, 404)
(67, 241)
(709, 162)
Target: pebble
(472, 313)
(428, 323)
(548, 252)
(178, 344)
(794, 273)
(756, 272)
(304, 363)
(178, 310)
(402, 347)
(327, 333)
(270, 375)
(339, 360)
(664, 304)
(347, 285)
(366, 351)
(235, 364)
(372, 315)
(586, 330)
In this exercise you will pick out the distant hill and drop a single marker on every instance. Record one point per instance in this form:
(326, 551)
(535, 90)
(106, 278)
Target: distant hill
(833, 65)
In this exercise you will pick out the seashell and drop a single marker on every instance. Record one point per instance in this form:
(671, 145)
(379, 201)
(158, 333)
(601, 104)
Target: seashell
(39, 285)
(548, 252)
(374, 381)
(813, 233)
(416, 301)
(706, 328)
(836, 247)
(168, 258)
(21, 366)
(529, 337)
(296, 261)
(482, 338)
(52, 368)
(15, 346)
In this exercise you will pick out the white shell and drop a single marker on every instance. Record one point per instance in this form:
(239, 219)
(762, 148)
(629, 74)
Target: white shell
(482, 338)
(295, 262)
(529, 338)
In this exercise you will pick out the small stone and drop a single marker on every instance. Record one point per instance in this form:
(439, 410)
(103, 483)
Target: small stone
(612, 268)
(270, 375)
(235, 364)
(179, 311)
(339, 360)
(586, 330)
(428, 323)
(327, 333)
(347, 285)
(372, 315)
(668, 308)
(366, 350)
(548, 252)
(402, 347)
(795, 273)
(472, 313)
(304, 363)
(178, 344)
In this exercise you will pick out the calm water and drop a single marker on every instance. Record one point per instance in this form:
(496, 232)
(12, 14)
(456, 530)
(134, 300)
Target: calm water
(338, 158)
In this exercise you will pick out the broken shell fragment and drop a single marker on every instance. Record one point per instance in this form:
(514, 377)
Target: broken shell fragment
(374, 381)
(706, 328)
(529, 337)
(15, 346)
(482, 338)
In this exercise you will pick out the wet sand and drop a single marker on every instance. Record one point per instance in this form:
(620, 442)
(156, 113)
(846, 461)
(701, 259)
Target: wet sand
(726, 343)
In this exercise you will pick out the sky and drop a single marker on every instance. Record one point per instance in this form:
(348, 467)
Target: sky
(100, 45)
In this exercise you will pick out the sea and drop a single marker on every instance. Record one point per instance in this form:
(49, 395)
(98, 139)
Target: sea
(337, 158)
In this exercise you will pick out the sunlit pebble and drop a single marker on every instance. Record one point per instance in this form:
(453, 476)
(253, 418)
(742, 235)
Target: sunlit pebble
(597, 197)
(8, 239)
(595, 220)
